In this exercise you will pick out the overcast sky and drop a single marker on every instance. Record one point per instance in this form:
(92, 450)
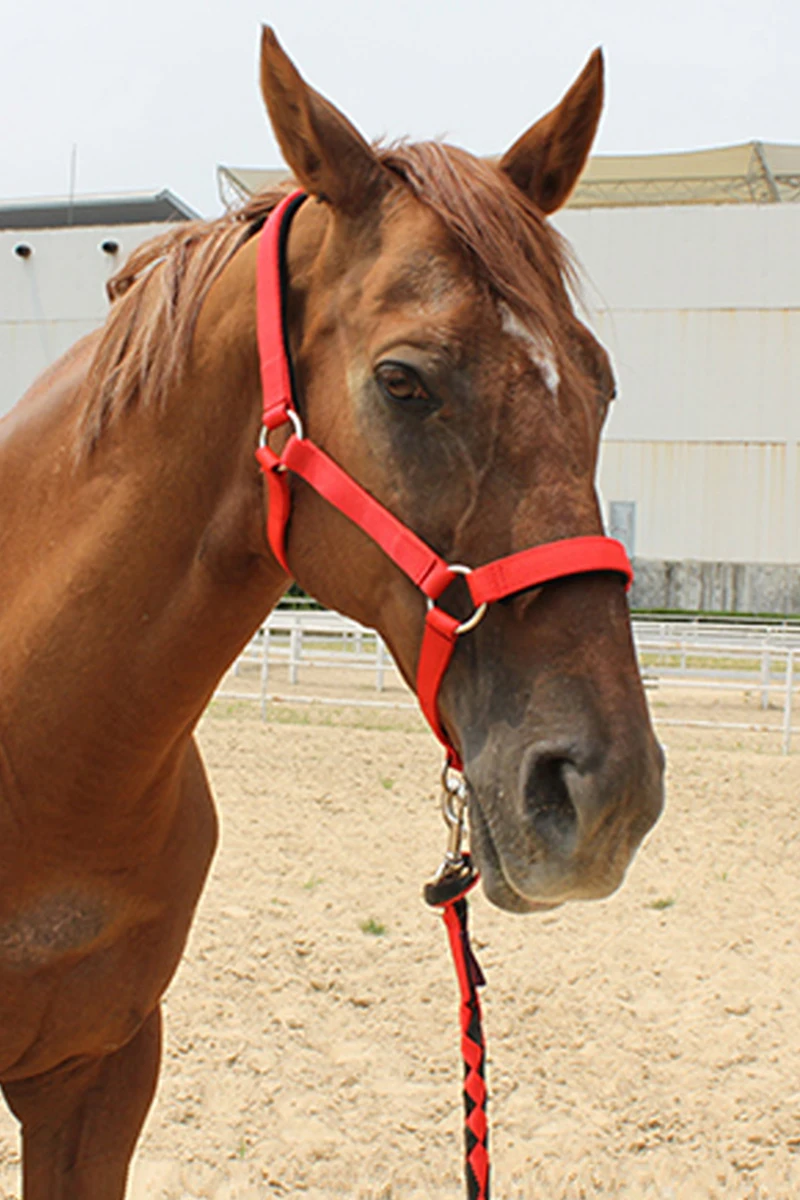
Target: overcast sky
(156, 93)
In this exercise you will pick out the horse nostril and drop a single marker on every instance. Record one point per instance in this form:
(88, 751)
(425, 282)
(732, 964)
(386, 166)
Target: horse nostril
(548, 803)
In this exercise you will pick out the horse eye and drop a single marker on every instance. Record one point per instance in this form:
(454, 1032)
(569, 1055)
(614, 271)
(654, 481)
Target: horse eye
(401, 383)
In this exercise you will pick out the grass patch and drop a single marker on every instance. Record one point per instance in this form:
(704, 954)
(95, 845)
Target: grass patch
(373, 927)
(226, 709)
(697, 661)
(662, 903)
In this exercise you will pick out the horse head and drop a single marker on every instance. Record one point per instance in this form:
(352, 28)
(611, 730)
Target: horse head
(438, 359)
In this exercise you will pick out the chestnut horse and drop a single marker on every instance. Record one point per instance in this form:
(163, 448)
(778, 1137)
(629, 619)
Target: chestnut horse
(437, 358)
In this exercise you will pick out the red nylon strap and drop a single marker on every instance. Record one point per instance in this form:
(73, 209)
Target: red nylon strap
(276, 376)
(422, 565)
(280, 503)
(438, 644)
(540, 564)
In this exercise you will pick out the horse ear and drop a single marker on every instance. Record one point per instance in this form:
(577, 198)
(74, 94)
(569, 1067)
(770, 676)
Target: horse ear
(327, 155)
(547, 160)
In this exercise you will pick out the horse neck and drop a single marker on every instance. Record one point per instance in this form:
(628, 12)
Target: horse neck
(135, 576)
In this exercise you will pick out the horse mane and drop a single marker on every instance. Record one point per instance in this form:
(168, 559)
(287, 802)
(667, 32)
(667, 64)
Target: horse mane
(158, 293)
(156, 299)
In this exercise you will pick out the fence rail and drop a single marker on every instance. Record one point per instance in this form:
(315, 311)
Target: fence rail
(723, 656)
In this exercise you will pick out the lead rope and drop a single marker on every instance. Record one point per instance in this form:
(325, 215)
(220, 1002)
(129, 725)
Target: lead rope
(448, 892)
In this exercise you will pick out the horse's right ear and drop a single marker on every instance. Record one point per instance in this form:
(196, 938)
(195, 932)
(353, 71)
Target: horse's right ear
(327, 155)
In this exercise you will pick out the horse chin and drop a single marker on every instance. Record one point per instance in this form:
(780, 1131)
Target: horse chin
(498, 889)
(502, 895)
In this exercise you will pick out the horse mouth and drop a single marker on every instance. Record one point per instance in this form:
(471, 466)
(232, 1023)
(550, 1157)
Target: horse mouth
(498, 888)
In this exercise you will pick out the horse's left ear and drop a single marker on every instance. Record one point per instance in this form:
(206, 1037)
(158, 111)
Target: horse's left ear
(328, 156)
(547, 160)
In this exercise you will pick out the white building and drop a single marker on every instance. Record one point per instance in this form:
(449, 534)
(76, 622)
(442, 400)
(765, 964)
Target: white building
(55, 258)
(695, 289)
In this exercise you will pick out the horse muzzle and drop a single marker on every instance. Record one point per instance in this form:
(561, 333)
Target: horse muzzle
(567, 826)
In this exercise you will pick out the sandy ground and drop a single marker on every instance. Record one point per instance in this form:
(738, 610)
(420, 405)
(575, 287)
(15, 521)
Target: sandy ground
(647, 1046)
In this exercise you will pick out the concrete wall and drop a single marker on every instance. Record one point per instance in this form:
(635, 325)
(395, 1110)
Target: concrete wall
(693, 586)
(55, 296)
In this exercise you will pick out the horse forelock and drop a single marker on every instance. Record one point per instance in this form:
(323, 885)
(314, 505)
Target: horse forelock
(490, 216)
(525, 262)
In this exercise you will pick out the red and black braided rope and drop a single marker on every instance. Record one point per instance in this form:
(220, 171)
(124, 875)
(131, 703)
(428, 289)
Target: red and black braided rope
(473, 1049)
(470, 978)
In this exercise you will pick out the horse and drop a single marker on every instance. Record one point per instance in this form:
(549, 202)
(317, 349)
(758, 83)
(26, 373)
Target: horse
(437, 359)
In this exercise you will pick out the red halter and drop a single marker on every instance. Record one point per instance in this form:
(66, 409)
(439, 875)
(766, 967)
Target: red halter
(424, 567)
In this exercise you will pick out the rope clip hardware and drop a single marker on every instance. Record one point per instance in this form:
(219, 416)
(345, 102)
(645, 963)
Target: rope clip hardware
(454, 806)
(456, 873)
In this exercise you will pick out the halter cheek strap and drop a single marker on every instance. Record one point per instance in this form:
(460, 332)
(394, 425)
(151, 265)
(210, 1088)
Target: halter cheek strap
(423, 566)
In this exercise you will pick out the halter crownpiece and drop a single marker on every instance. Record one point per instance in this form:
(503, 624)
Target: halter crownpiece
(424, 567)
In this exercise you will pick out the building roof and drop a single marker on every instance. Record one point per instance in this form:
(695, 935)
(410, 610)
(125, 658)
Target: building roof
(237, 184)
(750, 173)
(142, 208)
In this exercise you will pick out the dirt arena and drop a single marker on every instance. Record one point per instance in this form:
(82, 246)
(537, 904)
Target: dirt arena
(644, 1047)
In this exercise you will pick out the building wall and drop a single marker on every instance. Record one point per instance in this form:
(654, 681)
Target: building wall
(700, 308)
(55, 296)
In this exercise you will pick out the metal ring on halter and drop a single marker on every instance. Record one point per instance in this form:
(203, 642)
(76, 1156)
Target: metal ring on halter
(293, 417)
(297, 424)
(480, 611)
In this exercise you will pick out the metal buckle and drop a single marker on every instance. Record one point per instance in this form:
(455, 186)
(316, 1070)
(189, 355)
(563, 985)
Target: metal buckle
(480, 611)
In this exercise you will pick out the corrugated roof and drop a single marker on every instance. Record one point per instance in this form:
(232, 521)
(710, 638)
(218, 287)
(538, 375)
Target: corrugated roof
(750, 173)
(144, 208)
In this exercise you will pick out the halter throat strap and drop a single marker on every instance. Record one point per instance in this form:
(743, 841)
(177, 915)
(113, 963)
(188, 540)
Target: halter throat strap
(424, 567)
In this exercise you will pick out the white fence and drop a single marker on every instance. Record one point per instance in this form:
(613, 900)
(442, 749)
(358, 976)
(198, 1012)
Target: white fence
(723, 656)
(719, 656)
(316, 640)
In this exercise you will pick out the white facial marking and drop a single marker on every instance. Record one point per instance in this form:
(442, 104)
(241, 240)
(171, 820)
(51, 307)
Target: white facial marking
(540, 351)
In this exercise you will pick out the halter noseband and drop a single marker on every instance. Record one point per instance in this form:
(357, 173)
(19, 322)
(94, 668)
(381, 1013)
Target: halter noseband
(423, 566)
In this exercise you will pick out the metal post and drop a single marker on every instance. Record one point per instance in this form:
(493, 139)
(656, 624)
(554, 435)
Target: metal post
(766, 674)
(380, 660)
(264, 670)
(295, 649)
(787, 702)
